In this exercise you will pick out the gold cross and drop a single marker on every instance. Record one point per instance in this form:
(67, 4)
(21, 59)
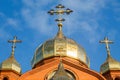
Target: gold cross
(14, 41)
(60, 11)
(107, 42)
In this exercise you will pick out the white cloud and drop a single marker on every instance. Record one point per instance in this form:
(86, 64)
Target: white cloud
(116, 6)
(84, 17)
(1, 14)
(112, 33)
(37, 20)
(7, 23)
(4, 35)
(85, 5)
(12, 22)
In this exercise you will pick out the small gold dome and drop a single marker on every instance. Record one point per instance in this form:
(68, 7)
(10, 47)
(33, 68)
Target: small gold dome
(110, 64)
(11, 64)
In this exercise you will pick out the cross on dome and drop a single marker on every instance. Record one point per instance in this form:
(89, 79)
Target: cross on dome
(60, 11)
(107, 42)
(14, 41)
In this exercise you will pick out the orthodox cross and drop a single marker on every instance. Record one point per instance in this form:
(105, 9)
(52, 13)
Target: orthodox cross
(107, 42)
(60, 11)
(14, 41)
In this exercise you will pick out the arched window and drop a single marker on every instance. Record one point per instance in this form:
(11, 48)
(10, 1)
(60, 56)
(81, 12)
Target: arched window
(5, 78)
(117, 78)
(69, 73)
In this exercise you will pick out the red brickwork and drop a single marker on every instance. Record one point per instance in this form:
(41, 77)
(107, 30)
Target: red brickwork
(9, 74)
(112, 75)
(81, 72)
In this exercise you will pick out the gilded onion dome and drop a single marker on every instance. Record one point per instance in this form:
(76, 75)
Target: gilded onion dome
(60, 45)
(110, 63)
(11, 63)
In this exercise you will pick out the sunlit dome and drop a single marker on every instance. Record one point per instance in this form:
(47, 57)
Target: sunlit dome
(60, 45)
(110, 64)
(11, 64)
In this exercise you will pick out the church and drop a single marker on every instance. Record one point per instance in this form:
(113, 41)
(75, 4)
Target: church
(60, 58)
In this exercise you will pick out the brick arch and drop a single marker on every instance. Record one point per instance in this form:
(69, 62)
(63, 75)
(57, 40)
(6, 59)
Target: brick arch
(117, 78)
(5, 78)
(72, 73)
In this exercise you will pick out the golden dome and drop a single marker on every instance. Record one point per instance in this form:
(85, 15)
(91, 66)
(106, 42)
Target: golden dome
(110, 64)
(60, 46)
(11, 64)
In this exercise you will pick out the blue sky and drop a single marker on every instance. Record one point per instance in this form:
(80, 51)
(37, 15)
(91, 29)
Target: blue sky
(90, 22)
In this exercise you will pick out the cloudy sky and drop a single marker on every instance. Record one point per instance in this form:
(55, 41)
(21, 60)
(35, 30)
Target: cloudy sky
(90, 22)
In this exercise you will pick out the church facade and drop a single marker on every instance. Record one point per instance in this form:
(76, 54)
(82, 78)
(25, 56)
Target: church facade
(60, 58)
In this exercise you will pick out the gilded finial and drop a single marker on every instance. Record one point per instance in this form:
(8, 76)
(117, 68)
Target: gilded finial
(14, 41)
(107, 42)
(60, 11)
